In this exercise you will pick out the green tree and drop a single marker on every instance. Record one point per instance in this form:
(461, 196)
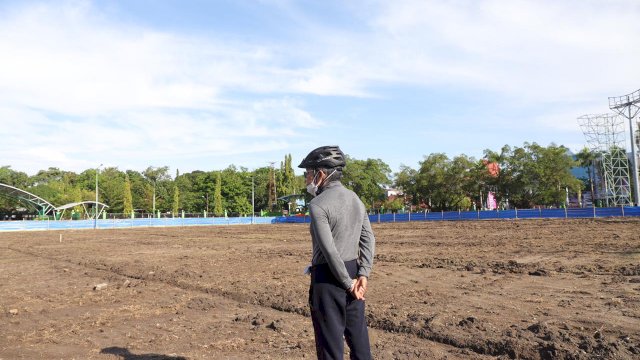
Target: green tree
(458, 182)
(586, 158)
(235, 189)
(128, 198)
(141, 191)
(16, 179)
(158, 179)
(393, 205)
(406, 180)
(431, 180)
(287, 183)
(111, 189)
(218, 210)
(367, 178)
(176, 200)
(261, 188)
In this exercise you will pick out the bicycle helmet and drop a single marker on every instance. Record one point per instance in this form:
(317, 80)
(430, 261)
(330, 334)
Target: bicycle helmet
(324, 157)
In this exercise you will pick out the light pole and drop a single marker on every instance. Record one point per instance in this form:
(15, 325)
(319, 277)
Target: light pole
(95, 219)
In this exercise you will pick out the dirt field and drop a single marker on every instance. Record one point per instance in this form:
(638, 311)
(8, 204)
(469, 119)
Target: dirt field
(527, 289)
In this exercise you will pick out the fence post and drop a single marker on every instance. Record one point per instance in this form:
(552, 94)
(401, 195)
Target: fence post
(409, 215)
(516, 213)
(442, 216)
(594, 212)
(540, 212)
(622, 206)
(394, 217)
(565, 212)
(459, 214)
(378, 218)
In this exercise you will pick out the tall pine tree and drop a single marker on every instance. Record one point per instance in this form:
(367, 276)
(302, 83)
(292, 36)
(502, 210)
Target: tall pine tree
(175, 206)
(128, 198)
(217, 197)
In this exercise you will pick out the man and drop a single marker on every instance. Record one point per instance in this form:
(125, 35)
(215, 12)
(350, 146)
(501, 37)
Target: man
(343, 247)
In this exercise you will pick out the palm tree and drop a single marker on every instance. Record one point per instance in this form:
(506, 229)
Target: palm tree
(586, 158)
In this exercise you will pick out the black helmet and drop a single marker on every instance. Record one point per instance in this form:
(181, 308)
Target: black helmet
(324, 157)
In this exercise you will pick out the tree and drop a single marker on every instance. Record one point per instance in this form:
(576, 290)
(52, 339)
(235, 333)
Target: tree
(405, 180)
(287, 183)
(157, 178)
(141, 191)
(459, 182)
(218, 210)
(261, 180)
(586, 158)
(13, 178)
(176, 200)
(236, 190)
(393, 205)
(128, 198)
(366, 178)
(431, 180)
(272, 190)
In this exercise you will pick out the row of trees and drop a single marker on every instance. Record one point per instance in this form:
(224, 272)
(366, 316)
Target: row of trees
(519, 176)
(154, 189)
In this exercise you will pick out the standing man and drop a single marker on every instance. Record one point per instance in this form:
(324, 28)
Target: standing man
(343, 248)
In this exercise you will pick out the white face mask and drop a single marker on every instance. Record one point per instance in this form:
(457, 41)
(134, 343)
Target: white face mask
(312, 188)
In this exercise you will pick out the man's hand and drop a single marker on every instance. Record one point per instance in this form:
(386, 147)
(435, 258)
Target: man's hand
(359, 287)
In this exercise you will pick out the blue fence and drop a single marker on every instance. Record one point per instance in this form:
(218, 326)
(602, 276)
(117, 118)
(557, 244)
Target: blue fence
(497, 214)
(127, 223)
(420, 216)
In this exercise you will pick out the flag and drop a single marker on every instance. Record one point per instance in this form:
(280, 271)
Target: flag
(491, 201)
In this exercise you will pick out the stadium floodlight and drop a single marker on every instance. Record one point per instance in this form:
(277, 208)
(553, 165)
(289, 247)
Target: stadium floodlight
(628, 106)
(605, 137)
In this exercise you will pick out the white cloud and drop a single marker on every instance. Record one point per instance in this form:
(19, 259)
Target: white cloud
(531, 50)
(77, 87)
(69, 74)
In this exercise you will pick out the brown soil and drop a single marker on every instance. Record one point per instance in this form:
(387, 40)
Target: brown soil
(526, 289)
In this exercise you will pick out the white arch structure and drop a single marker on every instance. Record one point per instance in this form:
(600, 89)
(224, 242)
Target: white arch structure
(43, 206)
(34, 201)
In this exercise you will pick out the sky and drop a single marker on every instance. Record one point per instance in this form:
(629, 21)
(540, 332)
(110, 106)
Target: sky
(201, 85)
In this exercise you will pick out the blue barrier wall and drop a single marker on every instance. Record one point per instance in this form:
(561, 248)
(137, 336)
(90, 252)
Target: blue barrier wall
(496, 214)
(421, 216)
(128, 223)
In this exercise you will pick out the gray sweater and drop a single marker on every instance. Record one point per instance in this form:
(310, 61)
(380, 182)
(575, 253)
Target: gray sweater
(340, 231)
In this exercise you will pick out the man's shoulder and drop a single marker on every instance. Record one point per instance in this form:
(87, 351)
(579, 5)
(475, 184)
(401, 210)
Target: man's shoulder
(336, 195)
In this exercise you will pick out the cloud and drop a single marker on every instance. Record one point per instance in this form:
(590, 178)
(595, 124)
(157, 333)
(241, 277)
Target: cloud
(76, 86)
(76, 74)
(530, 50)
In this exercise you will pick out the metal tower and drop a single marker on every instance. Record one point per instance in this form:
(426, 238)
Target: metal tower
(605, 137)
(628, 106)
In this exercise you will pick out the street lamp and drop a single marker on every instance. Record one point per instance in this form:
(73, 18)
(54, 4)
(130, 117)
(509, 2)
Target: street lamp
(95, 219)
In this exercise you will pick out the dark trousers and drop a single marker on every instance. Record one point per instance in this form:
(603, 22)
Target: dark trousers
(337, 315)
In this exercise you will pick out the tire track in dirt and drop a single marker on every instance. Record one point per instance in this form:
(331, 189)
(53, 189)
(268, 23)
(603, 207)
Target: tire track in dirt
(375, 322)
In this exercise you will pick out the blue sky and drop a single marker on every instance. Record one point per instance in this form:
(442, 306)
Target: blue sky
(200, 85)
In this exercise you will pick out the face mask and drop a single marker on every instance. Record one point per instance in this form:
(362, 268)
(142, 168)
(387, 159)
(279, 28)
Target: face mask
(312, 188)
